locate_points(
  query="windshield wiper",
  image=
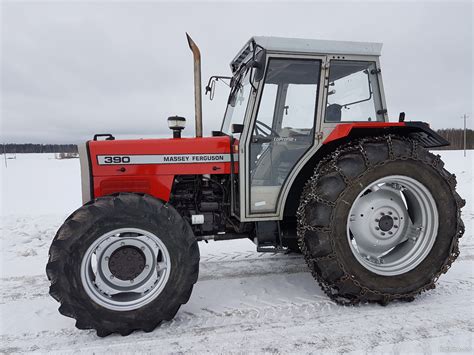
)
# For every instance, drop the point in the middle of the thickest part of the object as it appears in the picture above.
(236, 85)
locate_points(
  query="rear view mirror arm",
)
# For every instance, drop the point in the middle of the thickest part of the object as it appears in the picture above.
(211, 84)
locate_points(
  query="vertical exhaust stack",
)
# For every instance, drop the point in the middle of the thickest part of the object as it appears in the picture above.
(197, 85)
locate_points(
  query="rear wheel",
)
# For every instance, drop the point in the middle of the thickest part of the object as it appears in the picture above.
(369, 221)
(123, 263)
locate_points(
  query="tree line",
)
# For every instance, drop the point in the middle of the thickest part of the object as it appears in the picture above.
(13, 148)
(454, 136)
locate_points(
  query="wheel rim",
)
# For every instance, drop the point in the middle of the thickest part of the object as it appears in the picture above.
(392, 225)
(125, 269)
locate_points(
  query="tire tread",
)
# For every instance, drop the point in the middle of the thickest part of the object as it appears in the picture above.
(77, 224)
(350, 162)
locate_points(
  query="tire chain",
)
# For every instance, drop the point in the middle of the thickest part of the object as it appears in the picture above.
(329, 163)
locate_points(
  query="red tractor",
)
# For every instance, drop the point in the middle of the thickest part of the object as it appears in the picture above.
(305, 161)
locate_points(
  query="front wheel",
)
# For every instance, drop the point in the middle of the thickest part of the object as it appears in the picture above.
(123, 263)
(379, 221)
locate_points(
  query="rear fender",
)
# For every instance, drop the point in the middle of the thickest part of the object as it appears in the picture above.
(346, 132)
(419, 131)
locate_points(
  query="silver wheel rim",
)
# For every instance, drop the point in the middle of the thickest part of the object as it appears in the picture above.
(392, 225)
(152, 266)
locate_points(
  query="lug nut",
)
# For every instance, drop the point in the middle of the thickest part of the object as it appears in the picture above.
(390, 233)
(383, 233)
(111, 277)
(395, 226)
(377, 228)
(395, 218)
(381, 213)
(377, 220)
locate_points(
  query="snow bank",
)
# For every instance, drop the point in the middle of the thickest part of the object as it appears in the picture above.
(243, 302)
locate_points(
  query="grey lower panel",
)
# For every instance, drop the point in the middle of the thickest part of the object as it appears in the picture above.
(85, 173)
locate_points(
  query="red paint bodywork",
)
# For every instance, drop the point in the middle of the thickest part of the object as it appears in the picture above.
(343, 130)
(154, 179)
(157, 179)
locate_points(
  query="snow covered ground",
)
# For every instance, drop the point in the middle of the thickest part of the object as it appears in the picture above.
(244, 301)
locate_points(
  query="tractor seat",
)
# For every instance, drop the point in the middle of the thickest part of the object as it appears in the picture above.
(333, 113)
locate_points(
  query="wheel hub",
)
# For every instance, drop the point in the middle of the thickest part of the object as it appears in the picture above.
(392, 225)
(126, 263)
(125, 269)
(386, 223)
(377, 221)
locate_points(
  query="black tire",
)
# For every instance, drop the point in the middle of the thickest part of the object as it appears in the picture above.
(325, 204)
(292, 245)
(103, 215)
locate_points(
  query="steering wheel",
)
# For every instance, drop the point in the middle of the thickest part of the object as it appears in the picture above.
(259, 130)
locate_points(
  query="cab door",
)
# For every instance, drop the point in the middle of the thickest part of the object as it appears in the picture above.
(282, 130)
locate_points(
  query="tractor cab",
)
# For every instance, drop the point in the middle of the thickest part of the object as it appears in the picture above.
(287, 96)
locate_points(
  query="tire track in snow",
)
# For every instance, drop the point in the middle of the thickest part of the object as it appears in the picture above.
(235, 265)
(278, 317)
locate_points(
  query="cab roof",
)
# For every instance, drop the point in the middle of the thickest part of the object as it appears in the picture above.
(305, 46)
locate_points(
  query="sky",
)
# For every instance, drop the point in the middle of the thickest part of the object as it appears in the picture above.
(70, 69)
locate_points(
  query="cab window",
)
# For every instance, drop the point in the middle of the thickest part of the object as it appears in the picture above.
(353, 92)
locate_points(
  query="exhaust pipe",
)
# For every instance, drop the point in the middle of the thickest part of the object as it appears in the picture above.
(197, 85)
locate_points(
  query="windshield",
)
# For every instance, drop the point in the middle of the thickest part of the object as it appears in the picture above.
(237, 103)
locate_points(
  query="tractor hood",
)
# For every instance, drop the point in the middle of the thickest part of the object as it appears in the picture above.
(150, 165)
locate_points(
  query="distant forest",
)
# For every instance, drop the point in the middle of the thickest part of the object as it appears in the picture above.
(455, 136)
(38, 148)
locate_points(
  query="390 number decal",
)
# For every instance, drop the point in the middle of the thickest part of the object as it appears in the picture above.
(117, 160)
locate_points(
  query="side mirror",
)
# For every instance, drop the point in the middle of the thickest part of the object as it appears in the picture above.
(211, 85)
(210, 89)
(259, 65)
(237, 128)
